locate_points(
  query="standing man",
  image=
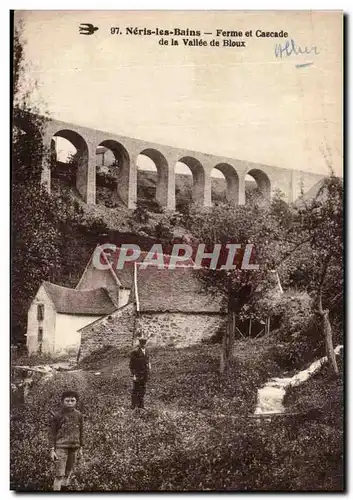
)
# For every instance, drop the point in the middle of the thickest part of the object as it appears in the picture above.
(140, 367)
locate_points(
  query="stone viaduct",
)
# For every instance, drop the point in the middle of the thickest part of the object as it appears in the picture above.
(127, 149)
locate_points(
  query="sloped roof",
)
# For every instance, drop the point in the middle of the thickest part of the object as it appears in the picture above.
(110, 270)
(126, 275)
(87, 302)
(173, 290)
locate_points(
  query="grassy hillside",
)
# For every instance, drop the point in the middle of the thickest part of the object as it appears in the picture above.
(195, 435)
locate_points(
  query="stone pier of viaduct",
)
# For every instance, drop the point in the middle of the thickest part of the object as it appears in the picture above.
(126, 150)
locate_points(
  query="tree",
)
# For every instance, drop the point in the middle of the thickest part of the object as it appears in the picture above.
(257, 223)
(302, 242)
(41, 224)
(33, 251)
(318, 231)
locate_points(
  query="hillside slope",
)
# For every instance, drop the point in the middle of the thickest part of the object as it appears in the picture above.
(195, 435)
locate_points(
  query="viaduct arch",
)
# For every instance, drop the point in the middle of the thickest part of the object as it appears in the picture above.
(126, 150)
(232, 182)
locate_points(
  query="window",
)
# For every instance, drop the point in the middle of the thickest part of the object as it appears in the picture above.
(40, 340)
(40, 312)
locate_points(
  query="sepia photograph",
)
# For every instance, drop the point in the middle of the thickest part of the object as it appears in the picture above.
(177, 256)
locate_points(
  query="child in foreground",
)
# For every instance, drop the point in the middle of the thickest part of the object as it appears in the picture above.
(66, 437)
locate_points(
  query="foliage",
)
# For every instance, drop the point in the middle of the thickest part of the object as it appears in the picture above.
(66, 171)
(165, 226)
(301, 242)
(317, 236)
(294, 239)
(140, 214)
(293, 309)
(157, 226)
(183, 198)
(322, 221)
(322, 391)
(226, 223)
(296, 352)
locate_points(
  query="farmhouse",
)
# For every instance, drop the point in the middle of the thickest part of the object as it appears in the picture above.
(113, 306)
(168, 306)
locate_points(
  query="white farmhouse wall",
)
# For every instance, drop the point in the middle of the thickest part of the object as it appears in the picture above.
(124, 295)
(67, 337)
(48, 324)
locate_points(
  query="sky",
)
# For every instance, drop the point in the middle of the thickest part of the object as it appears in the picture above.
(239, 102)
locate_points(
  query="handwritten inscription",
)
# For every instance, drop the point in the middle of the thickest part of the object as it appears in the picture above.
(290, 48)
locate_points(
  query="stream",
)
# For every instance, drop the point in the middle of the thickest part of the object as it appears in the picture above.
(270, 396)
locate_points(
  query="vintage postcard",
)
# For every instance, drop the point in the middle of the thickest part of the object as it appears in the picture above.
(177, 255)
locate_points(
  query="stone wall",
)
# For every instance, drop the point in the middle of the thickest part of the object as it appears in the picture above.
(113, 330)
(177, 329)
(121, 329)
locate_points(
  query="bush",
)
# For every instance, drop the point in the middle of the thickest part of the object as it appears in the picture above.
(140, 214)
(292, 310)
(295, 309)
(145, 206)
(296, 354)
(108, 180)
